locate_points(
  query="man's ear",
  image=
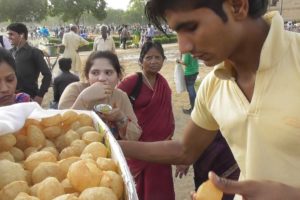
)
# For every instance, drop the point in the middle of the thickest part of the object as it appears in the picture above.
(239, 8)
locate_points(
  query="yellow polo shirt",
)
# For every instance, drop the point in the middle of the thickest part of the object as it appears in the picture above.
(264, 135)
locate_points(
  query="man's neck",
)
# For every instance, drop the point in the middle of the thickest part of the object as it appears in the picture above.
(246, 58)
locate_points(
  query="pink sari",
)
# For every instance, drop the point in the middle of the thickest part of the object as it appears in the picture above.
(155, 116)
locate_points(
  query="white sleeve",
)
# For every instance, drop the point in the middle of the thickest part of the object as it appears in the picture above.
(6, 43)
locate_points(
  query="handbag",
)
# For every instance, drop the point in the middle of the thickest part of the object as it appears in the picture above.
(179, 78)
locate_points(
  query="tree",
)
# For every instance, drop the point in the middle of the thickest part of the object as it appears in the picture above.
(74, 9)
(23, 11)
(135, 11)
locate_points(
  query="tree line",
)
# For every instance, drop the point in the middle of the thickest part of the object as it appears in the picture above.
(70, 11)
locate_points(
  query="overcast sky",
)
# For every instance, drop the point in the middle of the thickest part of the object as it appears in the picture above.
(117, 4)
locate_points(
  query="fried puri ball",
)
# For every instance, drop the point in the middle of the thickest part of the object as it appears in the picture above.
(65, 164)
(39, 157)
(85, 120)
(97, 193)
(35, 137)
(107, 164)
(10, 172)
(17, 153)
(21, 141)
(68, 188)
(84, 129)
(11, 190)
(52, 121)
(67, 197)
(30, 150)
(69, 117)
(207, 191)
(25, 196)
(35, 122)
(7, 156)
(84, 175)
(7, 142)
(52, 131)
(49, 188)
(52, 150)
(71, 151)
(80, 144)
(114, 181)
(47, 169)
(70, 136)
(97, 149)
(92, 136)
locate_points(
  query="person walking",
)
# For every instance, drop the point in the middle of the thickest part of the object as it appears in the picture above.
(72, 41)
(30, 63)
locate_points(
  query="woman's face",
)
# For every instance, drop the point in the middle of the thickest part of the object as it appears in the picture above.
(152, 61)
(103, 71)
(8, 84)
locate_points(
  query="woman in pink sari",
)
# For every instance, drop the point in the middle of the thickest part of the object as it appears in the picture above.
(153, 109)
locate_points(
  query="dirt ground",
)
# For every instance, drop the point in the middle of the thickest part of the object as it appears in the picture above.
(128, 59)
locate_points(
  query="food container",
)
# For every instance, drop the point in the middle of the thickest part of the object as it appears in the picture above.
(114, 149)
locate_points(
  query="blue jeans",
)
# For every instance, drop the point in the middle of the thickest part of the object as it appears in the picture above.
(190, 86)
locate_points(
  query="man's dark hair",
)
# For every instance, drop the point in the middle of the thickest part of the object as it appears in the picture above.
(155, 9)
(20, 28)
(6, 57)
(65, 64)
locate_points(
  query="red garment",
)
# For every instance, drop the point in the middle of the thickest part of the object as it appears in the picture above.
(155, 116)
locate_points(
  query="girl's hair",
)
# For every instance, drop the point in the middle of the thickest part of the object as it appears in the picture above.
(6, 57)
(113, 59)
(155, 9)
(149, 45)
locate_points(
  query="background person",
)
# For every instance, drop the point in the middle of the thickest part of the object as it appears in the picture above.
(153, 109)
(104, 42)
(8, 81)
(30, 63)
(103, 71)
(4, 42)
(62, 80)
(72, 41)
(256, 58)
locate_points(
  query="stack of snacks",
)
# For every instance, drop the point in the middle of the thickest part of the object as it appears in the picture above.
(59, 157)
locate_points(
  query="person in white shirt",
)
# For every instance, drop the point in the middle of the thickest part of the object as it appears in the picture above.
(4, 42)
(104, 42)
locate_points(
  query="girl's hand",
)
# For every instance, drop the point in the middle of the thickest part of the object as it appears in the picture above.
(96, 91)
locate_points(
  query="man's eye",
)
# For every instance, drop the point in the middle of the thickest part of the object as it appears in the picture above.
(190, 27)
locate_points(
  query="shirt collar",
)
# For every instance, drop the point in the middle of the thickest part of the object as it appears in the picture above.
(273, 48)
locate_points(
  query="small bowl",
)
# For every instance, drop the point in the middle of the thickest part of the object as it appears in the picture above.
(102, 108)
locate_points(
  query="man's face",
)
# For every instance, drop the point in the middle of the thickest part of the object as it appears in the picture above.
(103, 32)
(14, 37)
(204, 34)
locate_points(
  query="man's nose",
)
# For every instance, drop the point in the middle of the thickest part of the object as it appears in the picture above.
(185, 43)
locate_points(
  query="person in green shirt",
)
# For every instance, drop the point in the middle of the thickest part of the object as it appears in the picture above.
(190, 75)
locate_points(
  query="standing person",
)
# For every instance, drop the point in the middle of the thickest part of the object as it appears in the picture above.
(30, 63)
(191, 72)
(103, 71)
(257, 69)
(149, 33)
(104, 42)
(4, 42)
(8, 81)
(72, 41)
(63, 80)
(153, 109)
(125, 35)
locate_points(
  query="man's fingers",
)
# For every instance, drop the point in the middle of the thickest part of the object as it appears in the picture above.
(228, 186)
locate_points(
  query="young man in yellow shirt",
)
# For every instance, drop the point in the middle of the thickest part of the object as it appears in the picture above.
(252, 95)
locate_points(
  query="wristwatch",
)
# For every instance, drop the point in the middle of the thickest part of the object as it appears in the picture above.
(122, 122)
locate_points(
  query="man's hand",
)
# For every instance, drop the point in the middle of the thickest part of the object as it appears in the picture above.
(181, 170)
(38, 99)
(256, 190)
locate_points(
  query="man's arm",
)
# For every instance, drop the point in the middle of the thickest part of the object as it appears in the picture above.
(195, 141)
(45, 71)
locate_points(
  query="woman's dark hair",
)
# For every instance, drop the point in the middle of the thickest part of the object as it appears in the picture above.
(149, 45)
(155, 9)
(113, 59)
(65, 64)
(20, 28)
(6, 57)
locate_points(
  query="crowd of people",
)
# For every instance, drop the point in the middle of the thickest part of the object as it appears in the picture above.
(240, 134)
